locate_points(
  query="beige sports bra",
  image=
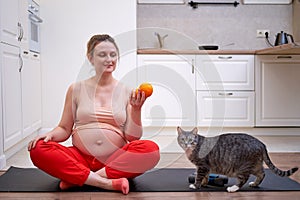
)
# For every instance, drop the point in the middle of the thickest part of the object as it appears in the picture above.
(89, 115)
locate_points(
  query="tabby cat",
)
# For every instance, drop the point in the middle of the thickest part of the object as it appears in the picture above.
(233, 154)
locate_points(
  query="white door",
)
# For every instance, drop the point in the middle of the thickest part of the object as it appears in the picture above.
(11, 95)
(10, 30)
(24, 24)
(31, 93)
(277, 90)
(173, 100)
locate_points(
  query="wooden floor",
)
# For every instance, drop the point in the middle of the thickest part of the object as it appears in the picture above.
(281, 160)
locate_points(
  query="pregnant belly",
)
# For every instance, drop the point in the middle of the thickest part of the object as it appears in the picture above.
(100, 143)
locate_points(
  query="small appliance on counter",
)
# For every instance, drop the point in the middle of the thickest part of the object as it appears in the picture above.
(282, 38)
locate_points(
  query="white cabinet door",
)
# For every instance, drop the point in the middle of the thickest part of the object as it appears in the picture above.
(24, 24)
(225, 90)
(225, 72)
(14, 22)
(228, 108)
(173, 100)
(9, 21)
(11, 95)
(277, 90)
(267, 1)
(31, 93)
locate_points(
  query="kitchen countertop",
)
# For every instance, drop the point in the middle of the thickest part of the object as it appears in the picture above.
(286, 49)
(278, 50)
(170, 51)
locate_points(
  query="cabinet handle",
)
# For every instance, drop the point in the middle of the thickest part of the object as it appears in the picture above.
(284, 57)
(22, 32)
(19, 30)
(193, 66)
(225, 57)
(225, 93)
(21, 63)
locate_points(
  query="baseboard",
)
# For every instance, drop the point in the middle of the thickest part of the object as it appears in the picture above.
(2, 161)
(20, 145)
(276, 139)
(274, 144)
(213, 131)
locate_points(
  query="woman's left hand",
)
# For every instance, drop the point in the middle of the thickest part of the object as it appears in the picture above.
(137, 99)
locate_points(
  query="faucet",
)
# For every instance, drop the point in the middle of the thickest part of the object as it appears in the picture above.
(160, 39)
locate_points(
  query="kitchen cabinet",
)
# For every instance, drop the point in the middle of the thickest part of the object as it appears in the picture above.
(21, 94)
(161, 1)
(225, 90)
(31, 93)
(20, 76)
(11, 95)
(14, 22)
(277, 90)
(267, 1)
(296, 21)
(225, 72)
(173, 100)
(230, 109)
(2, 156)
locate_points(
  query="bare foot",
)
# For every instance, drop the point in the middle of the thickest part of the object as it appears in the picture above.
(121, 184)
(65, 185)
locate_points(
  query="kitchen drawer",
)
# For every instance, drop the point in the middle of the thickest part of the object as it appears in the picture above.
(225, 72)
(227, 109)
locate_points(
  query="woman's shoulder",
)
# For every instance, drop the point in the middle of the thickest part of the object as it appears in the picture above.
(79, 84)
(75, 87)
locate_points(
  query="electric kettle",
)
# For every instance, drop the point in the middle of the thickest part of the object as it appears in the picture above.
(282, 38)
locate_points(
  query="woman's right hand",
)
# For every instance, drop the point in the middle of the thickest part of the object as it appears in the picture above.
(46, 137)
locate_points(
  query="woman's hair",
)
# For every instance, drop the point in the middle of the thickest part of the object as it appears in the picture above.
(96, 39)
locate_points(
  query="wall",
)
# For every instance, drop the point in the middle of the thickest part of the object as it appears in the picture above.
(296, 20)
(2, 156)
(208, 24)
(67, 27)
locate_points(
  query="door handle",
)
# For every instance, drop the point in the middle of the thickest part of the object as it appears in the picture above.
(21, 63)
(225, 93)
(225, 57)
(193, 66)
(284, 57)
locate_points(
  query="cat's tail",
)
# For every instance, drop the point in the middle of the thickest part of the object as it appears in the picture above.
(277, 171)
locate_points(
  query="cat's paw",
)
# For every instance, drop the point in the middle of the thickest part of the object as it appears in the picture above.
(192, 186)
(252, 184)
(233, 188)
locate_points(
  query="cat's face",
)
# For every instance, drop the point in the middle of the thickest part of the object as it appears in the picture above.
(187, 139)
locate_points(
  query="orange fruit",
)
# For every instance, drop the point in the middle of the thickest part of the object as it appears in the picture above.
(146, 88)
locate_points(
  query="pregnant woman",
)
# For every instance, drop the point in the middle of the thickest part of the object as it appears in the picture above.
(103, 117)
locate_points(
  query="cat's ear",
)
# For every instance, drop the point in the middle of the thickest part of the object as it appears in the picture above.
(195, 131)
(179, 130)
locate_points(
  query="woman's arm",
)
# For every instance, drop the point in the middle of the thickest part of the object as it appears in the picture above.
(133, 126)
(64, 129)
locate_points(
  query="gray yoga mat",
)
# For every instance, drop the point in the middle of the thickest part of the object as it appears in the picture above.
(156, 180)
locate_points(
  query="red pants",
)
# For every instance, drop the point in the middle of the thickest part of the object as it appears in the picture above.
(72, 166)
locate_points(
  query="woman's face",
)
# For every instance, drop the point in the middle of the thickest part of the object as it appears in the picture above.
(104, 57)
